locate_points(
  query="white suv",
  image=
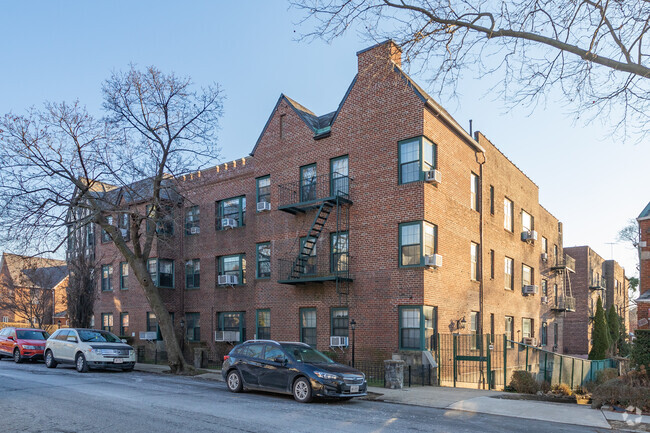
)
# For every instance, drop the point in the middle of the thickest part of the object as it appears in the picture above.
(88, 348)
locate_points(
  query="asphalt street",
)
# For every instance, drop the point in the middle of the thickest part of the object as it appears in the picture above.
(36, 399)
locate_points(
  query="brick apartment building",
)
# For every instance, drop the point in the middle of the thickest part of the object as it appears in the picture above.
(643, 301)
(385, 212)
(594, 278)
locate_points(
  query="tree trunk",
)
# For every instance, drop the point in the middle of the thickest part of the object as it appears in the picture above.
(175, 357)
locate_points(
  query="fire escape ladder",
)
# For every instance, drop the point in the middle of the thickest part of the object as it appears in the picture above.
(299, 265)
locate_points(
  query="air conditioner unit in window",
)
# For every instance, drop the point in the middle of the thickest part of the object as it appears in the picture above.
(228, 223)
(125, 232)
(227, 280)
(148, 336)
(434, 260)
(432, 176)
(530, 341)
(195, 230)
(336, 341)
(529, 289)
(545, 256)
(544, 299)
(226, 336)
(529, 235)
(263, 205)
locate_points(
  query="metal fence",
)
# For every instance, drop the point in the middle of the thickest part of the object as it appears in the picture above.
(414, 375)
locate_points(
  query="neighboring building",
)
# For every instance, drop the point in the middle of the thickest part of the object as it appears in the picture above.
(643, 301)
(594, 278)
(31, 288)
(385, 211)
(633, 319)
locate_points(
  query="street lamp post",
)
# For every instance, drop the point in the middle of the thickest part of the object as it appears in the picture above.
(353, 325)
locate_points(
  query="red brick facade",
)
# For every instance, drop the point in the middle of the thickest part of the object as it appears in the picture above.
(643, 301)
(382, 108)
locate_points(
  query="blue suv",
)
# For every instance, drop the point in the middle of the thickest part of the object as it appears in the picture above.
(290, 368)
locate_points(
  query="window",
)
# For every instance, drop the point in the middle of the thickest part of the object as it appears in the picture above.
(474, 196)
(340, 322)
(263, 189)
(527, 327)
(308, 183)
(161, 272)
(192, 220)
(107, 275)
(544, 245)
(264, 260)
(508, 215)
(124, 225)
(163, 219)
(418, 326)
(231, 209)
(105, 236)
(555, 293)
(556, 254)
(526, 221)
(5, 319)
(310, 267)
(124, 324)
(107, 322)
(308, 326)
(416, 156)
(491, 328)
(273, 352)
(339, 252)
(544, 288)
(124, 275)
(233, 265)
(193, 274)
(193, 331)
(491, 200)
(544, 336)
(526, 275)
(233, 321)
(510, 331)
(152, 324)
(411, 238)
(492, 264)
(509, 273)
(474, 261)
(263, 326)
(473, 329)
(340, 181)
(556, 335)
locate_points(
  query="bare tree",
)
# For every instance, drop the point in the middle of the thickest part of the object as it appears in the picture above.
(594, 51)
(61, 169)
(81, 292)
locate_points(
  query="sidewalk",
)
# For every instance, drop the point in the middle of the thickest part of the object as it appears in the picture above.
(478, 401)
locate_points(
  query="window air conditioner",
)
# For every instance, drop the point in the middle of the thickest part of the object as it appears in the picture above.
(545, 256)
(544, 299)
(434, 260)
(227, 280)
(262, 206)
(336, 341)
(530, 289)
(228, 223)
(226, 336)
(148, 336)
(195, 230)
(432, 176)
(530, 341)
(529, 235)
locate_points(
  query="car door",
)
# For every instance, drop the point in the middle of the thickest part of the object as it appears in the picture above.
(70, 345)
(251, 363)
(4, 341)
(274, 373)
(60, 346)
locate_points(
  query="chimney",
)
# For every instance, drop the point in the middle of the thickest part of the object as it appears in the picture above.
(384, 52)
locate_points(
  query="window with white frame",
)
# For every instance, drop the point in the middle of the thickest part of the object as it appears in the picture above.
(508, 215)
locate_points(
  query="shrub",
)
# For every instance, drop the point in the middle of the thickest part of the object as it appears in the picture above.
(591, 385)
(618, 392)
(523, 382)
(640, 353)
(545, 386)
(606, 374)
(562, 388)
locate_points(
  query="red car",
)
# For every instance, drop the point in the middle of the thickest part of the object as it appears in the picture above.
(22, 343)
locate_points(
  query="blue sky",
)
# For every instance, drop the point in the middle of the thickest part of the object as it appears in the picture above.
(64, 50)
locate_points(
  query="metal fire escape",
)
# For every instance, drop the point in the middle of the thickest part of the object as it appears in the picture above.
(328, 195)
(563, 300)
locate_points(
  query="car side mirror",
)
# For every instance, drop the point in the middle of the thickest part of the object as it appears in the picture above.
(11, 338)
(123, 340)
(280, 360)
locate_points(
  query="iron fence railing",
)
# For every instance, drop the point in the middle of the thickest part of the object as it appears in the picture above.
(314, 189)
(565, 261)
(319, 266)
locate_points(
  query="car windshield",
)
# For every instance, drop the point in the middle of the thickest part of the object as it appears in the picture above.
(99, 336)
(306, 354)
(32, 335)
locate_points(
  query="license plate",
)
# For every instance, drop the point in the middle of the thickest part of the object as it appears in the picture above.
(121, 361)
(354, 389)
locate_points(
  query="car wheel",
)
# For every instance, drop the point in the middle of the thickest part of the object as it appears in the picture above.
(81, 364)
(302, 390)
(234, 381)
(49, 360)
(17, 358)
